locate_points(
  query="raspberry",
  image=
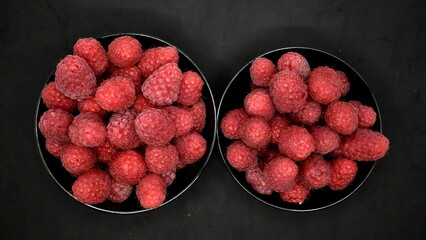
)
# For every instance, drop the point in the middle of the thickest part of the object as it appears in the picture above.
(77, 160)
(181, 118)
(191, 147)
(288, 91)
(155, 127)
(169, 177)
(309, 114)
(162, 159)
(315, 172)
(342, 117)
(190, 90)
(258, 103)
(255, 132)
(124, 51)
(121, 130)
(91, 105)
(106, 151)
(198, 111)
(326, 140)
(232, 122)
(294, 62)
(343, 172)
(366, 115)
(54, 148)
(153, 58)
(92, 187)
(92, 51)
(324, 85)
(151, 191)
(116, 94)
(280, 174)
(133, 73)
(142, 103)
(344, 83)
(261, 72)
(127, 167)
(162, 86)
(296, 143)
(53, 98)
(257, 180)
(296, 194)
(365, 145)
(54, 124)
(87, 130)
(277, 124)
(74, 78)
(241, 157)
(119, 192)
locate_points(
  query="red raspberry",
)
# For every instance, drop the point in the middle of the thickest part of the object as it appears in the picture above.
(324, 85)
(326, 140)
(142, 103)
(296, 194)
(153, 58)
(155, 127)
(124, 51)
(77, 160)
(116, 94)
(133, 73)
(191, 147)
(309, 114)
(344, 82)
(182, 119)
(162, 159)
(87, 130)
(294, 62)
(315, 172)
(198, 111)
(258, 103)
(106, 151)
(241, 157)
(74, 78)
(54, 148)
(255, 132)
(119, 192)
(366, 115)
(256, 179)
(190, 90)
(261, 72)
(343, 172)
(280, 174)
(162, 86)
(288, 91)
(92, 187)
(277, 124)
(91, 105)
(121, 130)
(365, 145)
(54, 124)
(92, 51)
(53, 98)
(342, 117)
(151, 191)
(232, 122)
(127, 167)
(169, 177)
(296, 143)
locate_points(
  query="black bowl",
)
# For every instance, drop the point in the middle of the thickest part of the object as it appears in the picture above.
(233, 98)
(184, 177)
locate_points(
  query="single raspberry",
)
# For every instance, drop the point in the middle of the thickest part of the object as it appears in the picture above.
(365, 145)
(53, 98)
(190, 90)
(74, 78)
(92, 51)
(142, 103)
(256, 179)
(281, 174)
(91, 105)
(119, 191)
(342, 117)
(326, 140)
(277, 124)
(297, 194)
(92, 187)
(324, 85)
(87, 130)
(182, 119)
(151, 191)
(309, 114)
(116, 94)
(155, 127)
(288, 91)
(77, 160)
(153, 58)
(162, 86)
(343, 172)
(344, 83)
(232, 122)
(294, 62)
(121, 130)
(296, 143)
(267, 153)
(128, 167)
(255, 132)
(124, 51)
(315, 172)
(198, 111)
(133, 73)
(162, 159)
(54, 148)
(258, 103)
(366, 115)
(261, 72)
(169, 177)
(241, 157)
(106, 151)
(54, 124)
(191, 147)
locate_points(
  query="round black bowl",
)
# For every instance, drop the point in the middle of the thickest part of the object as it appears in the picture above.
(233, 98)
(184, 177)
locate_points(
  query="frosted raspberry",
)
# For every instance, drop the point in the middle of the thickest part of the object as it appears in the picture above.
(77, 160)
(153, 58)
(277, 124)
(190, 90)
(309, 114)
(92, 51)
(151, 191)
(106, 151)
(54, 125)
(155, 127)
(169, 177)
(232, 122)
(255, 132)
(297, 194)
(315, 172)
(241, 157)
(182, 119)
(257, 180)
(142, 103)
(324, 85)
(121, 130)
(342, 117)
(198, 111)
(161, 159)
(258, 103)
(91, 105)
(296, 143)
(261, 72)
(87, 130)
(366, 115)
(116, 94)
(124, 51)
(343, 172)
(344, 82)
(281, 174)
(294, 62)
(326, 140)
(128, 167)
(191, 147)
(54, 148)
(92, 187)
(133, 73)
(53, 98)
(119, 192)
(365, 145)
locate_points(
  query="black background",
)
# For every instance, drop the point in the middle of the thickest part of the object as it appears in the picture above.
(383, 40)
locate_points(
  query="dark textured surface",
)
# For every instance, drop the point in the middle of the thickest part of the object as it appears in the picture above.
(382, 40)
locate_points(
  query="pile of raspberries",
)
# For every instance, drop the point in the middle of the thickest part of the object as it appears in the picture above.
(123, 119)
(295, 135)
